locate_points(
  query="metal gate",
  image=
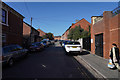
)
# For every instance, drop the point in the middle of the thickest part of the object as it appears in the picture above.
(87, 43)
(99, 45)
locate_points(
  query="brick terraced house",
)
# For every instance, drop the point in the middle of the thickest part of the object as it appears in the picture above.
(57, 37)
(30, 34)
(83, 23)
(12, 26)
(42, 33)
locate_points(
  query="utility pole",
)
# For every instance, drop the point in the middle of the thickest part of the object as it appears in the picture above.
(31, 21)
(31, 32)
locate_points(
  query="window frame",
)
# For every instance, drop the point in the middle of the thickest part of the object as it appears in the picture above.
(1, 22)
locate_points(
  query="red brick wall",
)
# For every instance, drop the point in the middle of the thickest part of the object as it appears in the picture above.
(41, 32)
(26, 29)
(57, 38)
(83, 23)
(14, 30)
(110, 29)
(96, 29)
(119, 31)
(115, 31)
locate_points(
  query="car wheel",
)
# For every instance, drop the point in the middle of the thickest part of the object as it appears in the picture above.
(67, 53)
(11, 62)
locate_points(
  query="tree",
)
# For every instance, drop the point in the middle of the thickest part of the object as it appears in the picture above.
(44, 36)
(78, 32)
(49, 36)
(70, 35)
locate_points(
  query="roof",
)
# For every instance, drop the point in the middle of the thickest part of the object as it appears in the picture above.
(74, 24)
(40, 30)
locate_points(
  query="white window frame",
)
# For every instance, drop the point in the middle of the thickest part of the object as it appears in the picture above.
(6, 18)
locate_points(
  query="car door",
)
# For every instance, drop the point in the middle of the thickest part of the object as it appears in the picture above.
(14, 51)
(20, 50)
(6, 53)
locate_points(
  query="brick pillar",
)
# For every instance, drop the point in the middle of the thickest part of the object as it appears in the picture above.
(119, 31)
(106, 36)
(92, 36)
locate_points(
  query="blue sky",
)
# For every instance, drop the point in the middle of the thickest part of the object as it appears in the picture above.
(56, 17)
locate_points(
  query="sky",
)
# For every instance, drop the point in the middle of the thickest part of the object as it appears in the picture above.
(57, 17)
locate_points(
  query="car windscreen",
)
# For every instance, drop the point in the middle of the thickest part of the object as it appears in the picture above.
(74, 43)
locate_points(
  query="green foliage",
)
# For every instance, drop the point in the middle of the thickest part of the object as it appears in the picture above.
(78, 32)
(48, 36)
(44, 36)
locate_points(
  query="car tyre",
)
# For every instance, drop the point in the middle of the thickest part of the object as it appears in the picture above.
(11, 62)
(67, 53)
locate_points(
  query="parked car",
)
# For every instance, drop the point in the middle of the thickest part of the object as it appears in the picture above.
(52, 42)
(49, 42)
(12, 52)
(61, 42)
(64, 43)
(45, 43)
(37, 46)
(56, 40)
(73, 47)
(40, 45)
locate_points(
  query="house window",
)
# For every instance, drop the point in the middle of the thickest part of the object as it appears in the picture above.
(3, 38)
(4, 16)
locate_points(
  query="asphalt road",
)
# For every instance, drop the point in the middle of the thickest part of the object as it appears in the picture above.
(49, 63)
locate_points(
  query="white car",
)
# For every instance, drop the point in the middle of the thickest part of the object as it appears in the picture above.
(73, 47)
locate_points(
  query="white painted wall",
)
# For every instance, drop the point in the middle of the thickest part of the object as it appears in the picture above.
(80, 41)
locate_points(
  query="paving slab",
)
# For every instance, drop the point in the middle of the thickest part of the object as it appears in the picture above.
(100, 65)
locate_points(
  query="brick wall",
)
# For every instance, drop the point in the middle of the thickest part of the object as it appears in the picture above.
(83, 23)
(26, 30)
(110, 29)
(14, 30)
(57, 38)
(41, 32)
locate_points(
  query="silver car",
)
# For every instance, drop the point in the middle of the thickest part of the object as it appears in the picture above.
(12, 52)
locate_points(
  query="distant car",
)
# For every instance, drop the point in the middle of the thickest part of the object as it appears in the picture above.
(45, 43)
(12, 52)
(40, 46)
(37, 46)
(61, 42)
(32, 47)
(73, 47)
(56, 40)
(52, 41)
(49, 42)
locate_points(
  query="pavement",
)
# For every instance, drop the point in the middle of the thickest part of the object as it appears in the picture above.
(98, 64)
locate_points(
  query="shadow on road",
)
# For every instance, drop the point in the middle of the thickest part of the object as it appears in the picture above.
(74, 53)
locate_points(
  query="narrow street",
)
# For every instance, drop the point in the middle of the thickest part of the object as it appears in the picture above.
(49, 63)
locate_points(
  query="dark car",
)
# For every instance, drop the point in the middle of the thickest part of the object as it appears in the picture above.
(37, 46)
(45, 43)
(40, 45)
(12, 52)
